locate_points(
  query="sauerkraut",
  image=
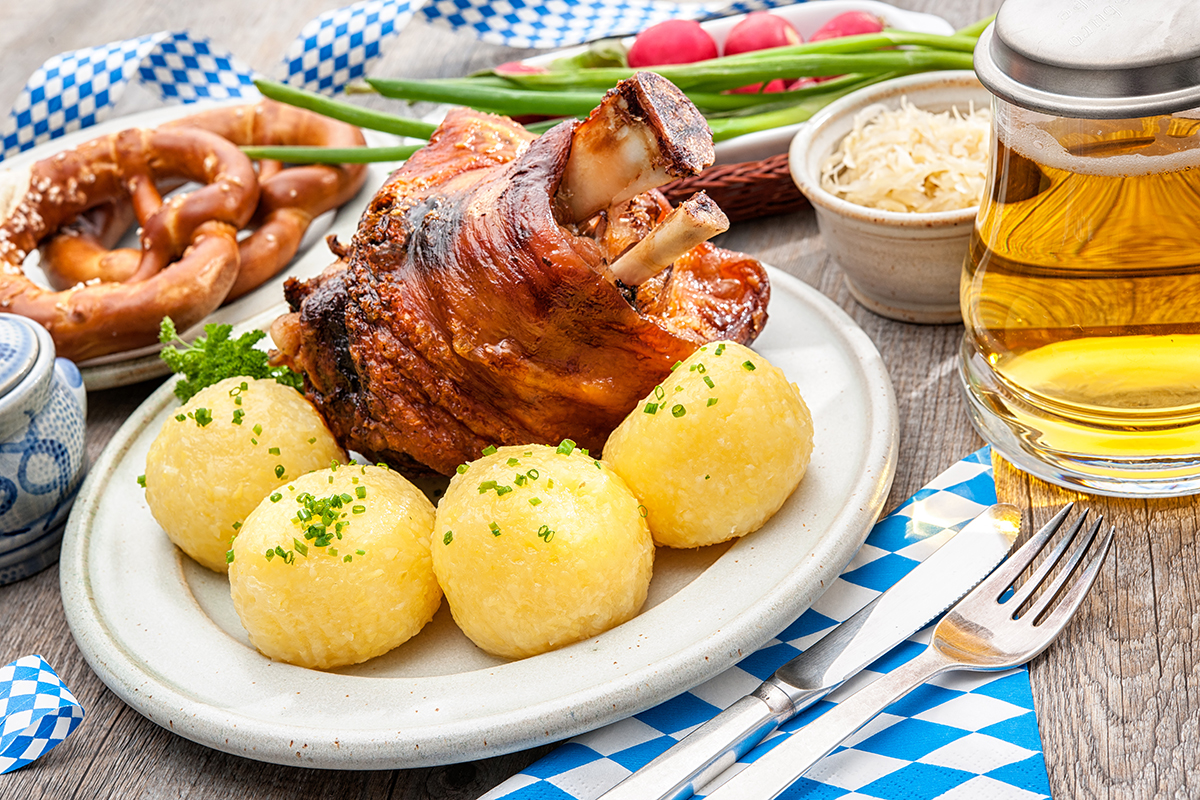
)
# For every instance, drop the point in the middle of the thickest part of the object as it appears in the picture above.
(911, 160)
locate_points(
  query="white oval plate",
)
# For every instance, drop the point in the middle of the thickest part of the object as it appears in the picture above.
(162, 633)
(807, 19)
(254, 309)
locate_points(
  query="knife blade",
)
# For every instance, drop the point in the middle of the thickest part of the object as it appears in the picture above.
(923, 594)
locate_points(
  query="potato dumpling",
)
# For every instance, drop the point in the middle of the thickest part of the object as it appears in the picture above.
(537, 547)
(334, 569)
(716, 448)
(223, 452)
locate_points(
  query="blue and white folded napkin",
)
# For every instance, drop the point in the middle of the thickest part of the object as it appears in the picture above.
(964, 736)
(74, 90)
(37, 711)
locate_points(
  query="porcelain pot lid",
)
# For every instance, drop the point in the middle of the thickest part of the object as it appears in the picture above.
(1115, 59)
(18, 351)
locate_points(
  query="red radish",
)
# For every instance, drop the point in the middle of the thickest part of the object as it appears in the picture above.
(676, 41)
(850, 23)
(760, 31)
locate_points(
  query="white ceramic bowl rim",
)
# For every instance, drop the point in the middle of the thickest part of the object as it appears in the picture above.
(810, 186)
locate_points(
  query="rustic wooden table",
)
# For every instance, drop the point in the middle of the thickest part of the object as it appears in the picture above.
(1118, 697)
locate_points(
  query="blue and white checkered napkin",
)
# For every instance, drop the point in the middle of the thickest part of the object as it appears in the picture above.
(37, 711)
(964, 736)
(77, 89)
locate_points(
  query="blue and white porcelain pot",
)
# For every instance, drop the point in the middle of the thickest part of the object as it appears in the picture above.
(43, 459)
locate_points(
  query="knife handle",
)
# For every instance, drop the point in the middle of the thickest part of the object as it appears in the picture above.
(715, 746)
(783, 765)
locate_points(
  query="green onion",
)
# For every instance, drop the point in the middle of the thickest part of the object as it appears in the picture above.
(651, 408)
(535, 501)
(359, 492)
(494, 528)
(448, 538)
(273, 451)
(566, 447)
(229, 556)
(708, 382)
(461, 469)
(279, 470)
(748, 366)
(712, 401)
(489, 450)
(142, 481)
(678, 410)
(346, 112)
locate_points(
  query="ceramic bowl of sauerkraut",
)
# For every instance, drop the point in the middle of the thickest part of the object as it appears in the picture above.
(896, 172)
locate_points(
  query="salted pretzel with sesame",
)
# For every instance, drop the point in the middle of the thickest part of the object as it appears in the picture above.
(290, 199)
(188, 259)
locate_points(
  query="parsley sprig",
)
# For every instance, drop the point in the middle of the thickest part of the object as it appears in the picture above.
(215, 356)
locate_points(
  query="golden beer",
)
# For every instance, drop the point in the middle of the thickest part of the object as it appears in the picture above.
(1081, 297)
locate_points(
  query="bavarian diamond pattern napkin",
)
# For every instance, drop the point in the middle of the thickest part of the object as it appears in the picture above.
(964, 736)
(37, 711)
(75, 90)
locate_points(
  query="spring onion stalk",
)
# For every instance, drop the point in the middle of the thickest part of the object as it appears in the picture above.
(346, 112)
(468, 92)
(729, 127)
(720, 74)
(331, 155)
(975, 29)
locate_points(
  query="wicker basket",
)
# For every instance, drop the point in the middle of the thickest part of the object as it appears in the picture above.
(744, 191)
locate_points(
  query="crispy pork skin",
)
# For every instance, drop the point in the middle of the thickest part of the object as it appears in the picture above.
(473, 308)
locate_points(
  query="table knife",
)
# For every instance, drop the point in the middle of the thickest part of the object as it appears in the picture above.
(923, 594)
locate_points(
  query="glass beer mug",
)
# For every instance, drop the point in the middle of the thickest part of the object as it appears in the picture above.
(1081, 291)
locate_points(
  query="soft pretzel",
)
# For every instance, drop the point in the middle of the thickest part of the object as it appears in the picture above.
(290, 198)
(189, 249)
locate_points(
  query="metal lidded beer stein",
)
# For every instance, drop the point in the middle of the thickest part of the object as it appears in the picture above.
(1081, 291)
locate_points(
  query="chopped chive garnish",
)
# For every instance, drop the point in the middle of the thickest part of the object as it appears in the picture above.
(360, 492)
(520, 480)
(180, 417)
(203, 417)
(701, 368)
(360, 552)
(709, 382)
(706, 477)
(659, 392)
(276, 497)
(545, 534)
(229, 556)
(597, 463)
(643, 511)
(253, 440)
(534, 501)
(257, 430)
(679, 388)
(533, 474)
(142, 481)
(650, 408)
(512, 462)
(237, 526)
(273, 451)
(461, 469)
(300, 546)
(448, 538)
(720, 348)
(748, 366)
(494, 528)
(269, 554)
(358, 509)
(237, 401)
(313, 440)
(678, 410)
(566, 447)
(332, 551)
(279, 470)
(489, 450)
(712, 401)
(483, 487)
(347, 558)
(676, 365)
(502, 490)
(237, 415)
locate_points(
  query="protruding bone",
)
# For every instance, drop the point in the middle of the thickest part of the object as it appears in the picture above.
(645, 133)
(696, 220)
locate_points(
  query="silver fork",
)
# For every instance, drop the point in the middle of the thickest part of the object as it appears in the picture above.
(987, 630)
